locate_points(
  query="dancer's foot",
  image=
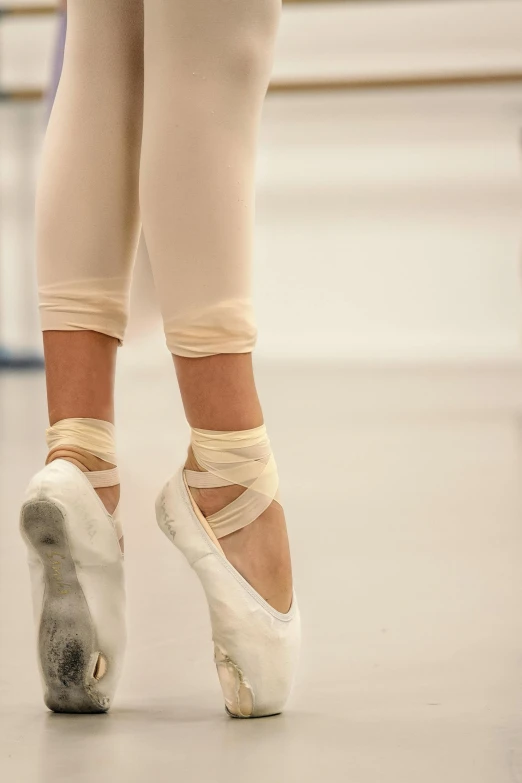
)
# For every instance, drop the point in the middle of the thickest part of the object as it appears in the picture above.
(76, 568)
(260, 551)
(256, 646)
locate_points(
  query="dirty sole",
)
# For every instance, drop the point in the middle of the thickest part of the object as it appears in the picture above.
(66, 636)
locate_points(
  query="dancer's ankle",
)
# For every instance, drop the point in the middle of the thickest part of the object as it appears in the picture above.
(210, 500)
(86, 462)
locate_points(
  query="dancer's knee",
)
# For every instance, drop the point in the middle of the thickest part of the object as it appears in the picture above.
(247, 47)
(214, 42)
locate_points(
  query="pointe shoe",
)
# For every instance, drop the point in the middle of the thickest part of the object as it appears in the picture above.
(76, 568)
(256, 648)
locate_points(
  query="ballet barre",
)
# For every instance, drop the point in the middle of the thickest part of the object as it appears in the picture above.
(27, 10)
(47, 9)
(347, 84)
(416, 81)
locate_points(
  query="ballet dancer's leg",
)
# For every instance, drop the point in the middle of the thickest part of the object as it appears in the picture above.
(207, 67)
(87, 230)
(87, 211)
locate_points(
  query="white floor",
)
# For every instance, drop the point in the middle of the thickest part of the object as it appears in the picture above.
(403, 495)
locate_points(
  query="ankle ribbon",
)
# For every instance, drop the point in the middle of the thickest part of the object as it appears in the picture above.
(243, 457)
(95, 436)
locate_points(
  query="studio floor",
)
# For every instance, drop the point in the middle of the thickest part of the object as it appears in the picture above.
(402, 491)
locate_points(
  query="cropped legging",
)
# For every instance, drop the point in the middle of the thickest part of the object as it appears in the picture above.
(155, 123)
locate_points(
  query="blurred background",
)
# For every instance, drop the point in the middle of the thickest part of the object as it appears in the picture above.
(389, 303)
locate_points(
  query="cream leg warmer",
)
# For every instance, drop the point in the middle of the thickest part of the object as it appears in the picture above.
(87, 213)
(207, 67)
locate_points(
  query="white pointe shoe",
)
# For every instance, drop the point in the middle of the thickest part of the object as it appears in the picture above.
(76, 567)
(256, 647)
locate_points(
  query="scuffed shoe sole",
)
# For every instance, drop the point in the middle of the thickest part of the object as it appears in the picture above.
(67, 644)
